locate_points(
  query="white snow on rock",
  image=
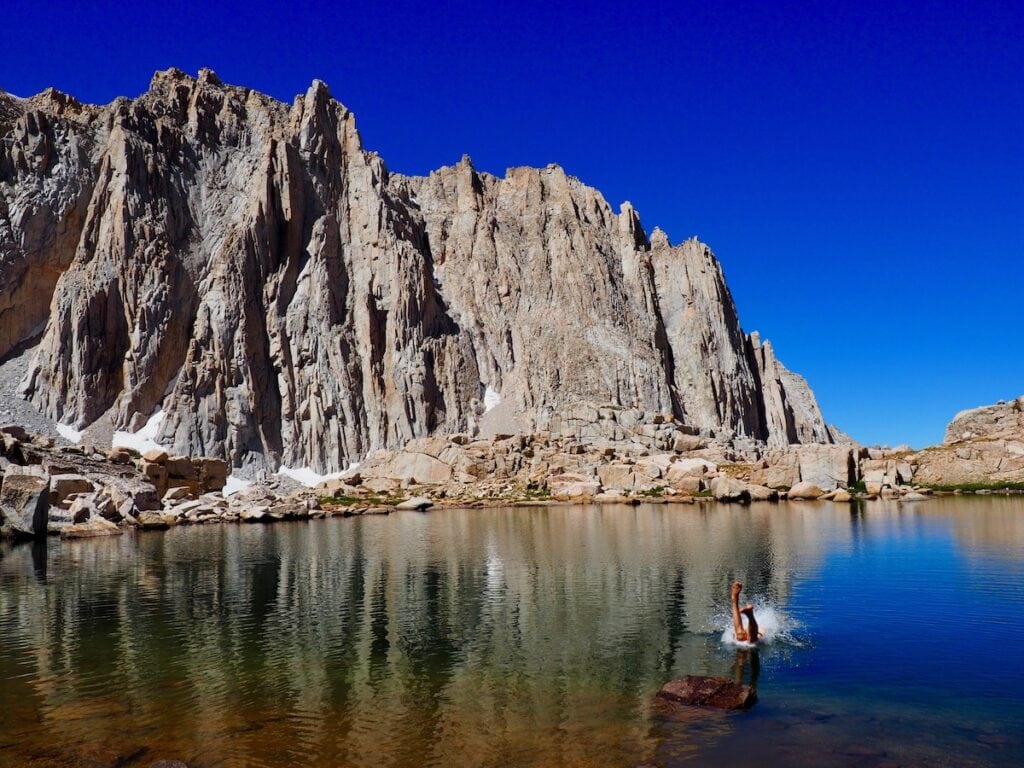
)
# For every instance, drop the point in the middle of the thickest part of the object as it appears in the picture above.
(235, 484)
(491, 398)
(143, 440)
(307, 476)
(69, 433)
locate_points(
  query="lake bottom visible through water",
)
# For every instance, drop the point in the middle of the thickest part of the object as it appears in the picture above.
(523, 637)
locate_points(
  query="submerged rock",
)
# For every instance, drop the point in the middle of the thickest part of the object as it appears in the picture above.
(708, 692)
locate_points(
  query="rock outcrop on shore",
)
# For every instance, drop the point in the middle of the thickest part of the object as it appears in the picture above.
(247, 269)
(983, 446)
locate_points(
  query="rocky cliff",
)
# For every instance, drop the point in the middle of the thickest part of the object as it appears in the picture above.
(248, 270)
(983, 446)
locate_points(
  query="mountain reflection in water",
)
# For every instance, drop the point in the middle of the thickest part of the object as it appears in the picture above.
(460, 637)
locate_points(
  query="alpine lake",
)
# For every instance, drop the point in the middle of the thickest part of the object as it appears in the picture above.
(523, 636)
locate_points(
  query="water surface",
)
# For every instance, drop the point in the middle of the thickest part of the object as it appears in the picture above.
(522, 637)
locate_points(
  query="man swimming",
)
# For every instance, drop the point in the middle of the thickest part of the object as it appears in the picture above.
(751, 634)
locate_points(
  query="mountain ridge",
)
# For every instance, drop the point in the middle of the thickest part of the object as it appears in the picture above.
(248, 269)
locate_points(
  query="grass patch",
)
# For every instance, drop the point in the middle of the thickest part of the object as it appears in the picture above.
(858, 487)
(652, 493)
(703, 494)
(535, 494)
(338, 501)
(360, 501)
(972, 487)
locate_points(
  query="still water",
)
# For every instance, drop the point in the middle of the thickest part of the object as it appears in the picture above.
(522, 637)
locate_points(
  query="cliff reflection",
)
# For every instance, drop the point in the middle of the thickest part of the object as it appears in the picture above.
(532, 633)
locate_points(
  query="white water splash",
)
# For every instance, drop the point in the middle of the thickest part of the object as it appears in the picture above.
(772, 622)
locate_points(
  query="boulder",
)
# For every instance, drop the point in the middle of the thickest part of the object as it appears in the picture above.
(87, 529)
(914, 496)
(179, 468)
(785, 474)
(177, 494)
(761, 493)
(24, 505)
(708, 692)
(842, 495)
(212, 473)
(155, 474)
(419, 468)
(416, 503)
(380, 484)
(63, 485)
(653, 467)
(617, 477)
(573, 486)
(683, 443)
(805, 490)
(118, 455)
(154, 455)
(725, 488)
(257, 514)
(86, 506)
(688, 468)
(152, 521)
(827, 466)
(688, 485)
(16, 432)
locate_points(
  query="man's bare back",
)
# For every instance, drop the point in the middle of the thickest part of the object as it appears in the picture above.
(752, 630)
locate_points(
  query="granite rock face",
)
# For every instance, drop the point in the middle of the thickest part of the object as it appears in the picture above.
(982, 445)
(248, 270)
(1004, 420)
(24, 505)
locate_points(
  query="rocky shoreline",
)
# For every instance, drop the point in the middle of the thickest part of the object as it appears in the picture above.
(78, 491)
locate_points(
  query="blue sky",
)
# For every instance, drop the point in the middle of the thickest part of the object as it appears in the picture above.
(858, 168)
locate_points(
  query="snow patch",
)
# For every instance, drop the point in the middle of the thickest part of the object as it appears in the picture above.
(234, 485)
(491, 398)
(69, 433)
(307, 476)
(143, 440)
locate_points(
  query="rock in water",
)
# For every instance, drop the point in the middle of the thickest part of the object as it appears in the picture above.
(709, 692)
(415, 503)
(805, 490)
(24, 505)
(246, 272)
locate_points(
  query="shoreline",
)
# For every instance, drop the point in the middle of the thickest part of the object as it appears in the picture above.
(80, 491)
(346, 512)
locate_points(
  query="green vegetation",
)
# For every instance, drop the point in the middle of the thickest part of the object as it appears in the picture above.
(703, 494)
(972, 487)
(338, 501)
(535, 494)
(858, 487)
(653, 493)
(360, 501)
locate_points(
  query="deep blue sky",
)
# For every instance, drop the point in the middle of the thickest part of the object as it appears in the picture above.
(858, 168)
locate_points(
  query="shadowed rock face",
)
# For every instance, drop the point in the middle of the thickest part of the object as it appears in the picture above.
(251, 270)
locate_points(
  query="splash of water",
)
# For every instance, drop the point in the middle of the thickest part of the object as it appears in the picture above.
(774, 623)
